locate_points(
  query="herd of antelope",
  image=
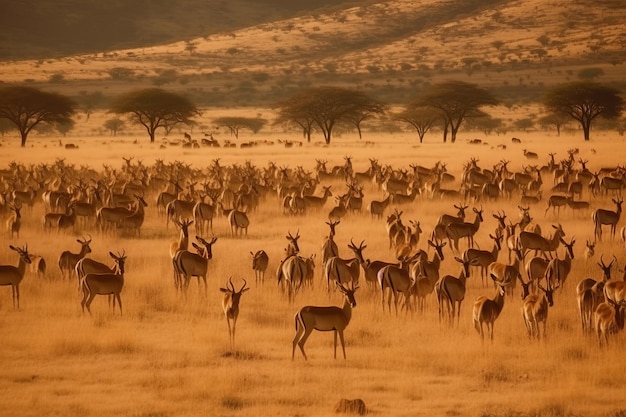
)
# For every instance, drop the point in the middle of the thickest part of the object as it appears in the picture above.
(116, 202)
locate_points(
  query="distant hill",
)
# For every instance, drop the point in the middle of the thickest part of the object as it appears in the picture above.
(52, 28)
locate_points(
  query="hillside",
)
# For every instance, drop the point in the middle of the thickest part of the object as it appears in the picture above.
(389, 48)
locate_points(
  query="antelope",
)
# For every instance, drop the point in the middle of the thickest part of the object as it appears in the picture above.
(68, 260)
(14, 222)
(90, 266)
(536, 269)
(292, 246)
(411, 238)
(340, 210)
(532, 241)
(530, 155)
(260, 261)
(506, 276)
(178, 209)
(370, 268)
(486, 311)
(578, 206)
(38, 265)
(230, 305)
(590, 249)
(612, 184)
(456, 231)
(558, 269)
(67, 221)
(429, 269)
(607, 217)
(104, 284)
(323, 319)
(393, 225)
(203, 214)
(183, 240)
(134, 221)
(13, 275)
(590, 293)
(329, 247)
(188, 264)
(483, 258)
(377, 208)
(450, 290)
(314, 202)
(239, 223)
(535, 311)
(398, 280)
(341, 271)
(608, 319)
(293, 270)
(556, 201)
(615, 292)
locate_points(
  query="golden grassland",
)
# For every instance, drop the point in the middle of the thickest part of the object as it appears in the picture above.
(170, 356)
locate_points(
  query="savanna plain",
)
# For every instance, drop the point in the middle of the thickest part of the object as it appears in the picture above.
(169, 355)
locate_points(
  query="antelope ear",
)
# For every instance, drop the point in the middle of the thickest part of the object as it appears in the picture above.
(112, 255)
(224, 290)
(244, 290)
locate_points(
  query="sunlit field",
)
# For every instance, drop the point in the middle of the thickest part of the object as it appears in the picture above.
(169, 354)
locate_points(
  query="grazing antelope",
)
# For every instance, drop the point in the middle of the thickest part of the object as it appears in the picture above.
(68, 260)
(450, 291)
(324, 319)
(608, 319)
(530, 155)
(456, 231)
(532, 241)
(230, 305)
(260, 261)
(329, 247)
(13, 275)
(14, 222)
(558, 269)
(190, 265)
(535, 311)
(239, 223)
(607, 217)
(486, 311)
(105, 284)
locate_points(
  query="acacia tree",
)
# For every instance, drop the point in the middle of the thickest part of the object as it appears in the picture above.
(28, 107)
(421, 118)
(584, 101)
(456, 100)
(325, 107)
(154, 108)
(114, 125)
(235, 124)
(556, 120)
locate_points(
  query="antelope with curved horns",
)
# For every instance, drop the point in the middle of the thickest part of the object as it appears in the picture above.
(188, 264)
(260, 260)
(183, 240)
(292, 246)
(482, 258)
(324, 319)
(315, 202)
(397, 280)
(590, 293)
(68, 260)
(456, 231)
(13, 275)
(446, 219)
(230, 305)
(370, 268)
(486, 311)
(558, 269)
(105, 284)
(341, 271)
(590, 249)
(329, 247)
(505, 275)
(607, 217)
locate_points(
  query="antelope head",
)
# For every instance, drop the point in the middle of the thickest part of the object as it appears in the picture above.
(606, 269)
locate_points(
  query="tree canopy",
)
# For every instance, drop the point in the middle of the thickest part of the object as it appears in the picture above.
(421, 118)
(27, 107)
(456, 100)
(324, 107)
(154, 108)
(235, 124)
(584, 101)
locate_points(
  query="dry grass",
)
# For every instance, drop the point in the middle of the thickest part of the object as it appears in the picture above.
(167, 356)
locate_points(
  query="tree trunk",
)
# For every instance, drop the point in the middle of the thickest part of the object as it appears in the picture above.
(24, 135)
(151, 133)
(586, 129)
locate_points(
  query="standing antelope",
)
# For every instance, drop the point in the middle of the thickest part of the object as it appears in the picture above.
(456, 231)
(535, 311)
(260, 261)
(558, 269)
(68, 260)
(13, 275)
(590, 249)
(183, 240)
(188, 264)
(377, 207)
(450, 291)
(329, 247)
(324, 319)
(532, 241)
(370, 268)
(608, 319)
(483, 258)
(292, 246)
(607, 217)
(14, 222)
(239, 223)
(397, 280)
(230, 305)
(105, 284)
(486, 311)
(504, 275)
(293, 270)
